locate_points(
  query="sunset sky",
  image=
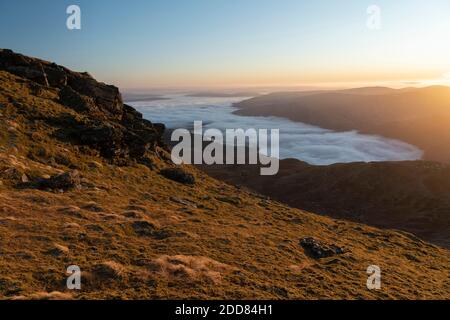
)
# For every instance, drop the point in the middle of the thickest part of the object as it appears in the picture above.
(208, 43)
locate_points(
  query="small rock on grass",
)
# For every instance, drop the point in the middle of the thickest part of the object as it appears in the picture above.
(178, 175)
(64, 181)
(318, 250)
(144, 227)
(93, 207)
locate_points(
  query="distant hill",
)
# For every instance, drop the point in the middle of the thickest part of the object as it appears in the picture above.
(418, 116)
(213, 94)
(141, 97)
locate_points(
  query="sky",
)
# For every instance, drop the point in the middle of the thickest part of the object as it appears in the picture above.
(143, 44)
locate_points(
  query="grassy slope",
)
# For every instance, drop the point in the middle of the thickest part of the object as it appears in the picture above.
(412, 196)
(222, 242)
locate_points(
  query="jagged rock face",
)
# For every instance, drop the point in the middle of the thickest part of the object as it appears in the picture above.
(115, 129)
(106, 97)
(76, 101)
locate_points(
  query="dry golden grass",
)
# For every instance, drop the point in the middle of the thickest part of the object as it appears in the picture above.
(190, 268)
(55, 295)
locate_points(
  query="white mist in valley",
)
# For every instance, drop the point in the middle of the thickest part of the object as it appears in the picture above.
(308, 143)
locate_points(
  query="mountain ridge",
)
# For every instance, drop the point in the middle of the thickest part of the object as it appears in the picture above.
(416, 116)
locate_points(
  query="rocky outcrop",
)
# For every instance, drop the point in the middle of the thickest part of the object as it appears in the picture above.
(76, 101)
(48, 74)
(116, 130)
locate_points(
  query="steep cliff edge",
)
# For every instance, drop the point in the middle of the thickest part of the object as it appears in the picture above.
(85, 181)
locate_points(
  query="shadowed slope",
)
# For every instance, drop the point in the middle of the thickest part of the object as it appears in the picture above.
(411, 196)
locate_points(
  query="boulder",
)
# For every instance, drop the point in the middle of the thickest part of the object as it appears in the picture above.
(64, 181)
(103, 136)
(318, 250)
(144, 228)
(178, 175)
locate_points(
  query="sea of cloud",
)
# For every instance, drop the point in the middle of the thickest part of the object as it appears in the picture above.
(308, 143)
